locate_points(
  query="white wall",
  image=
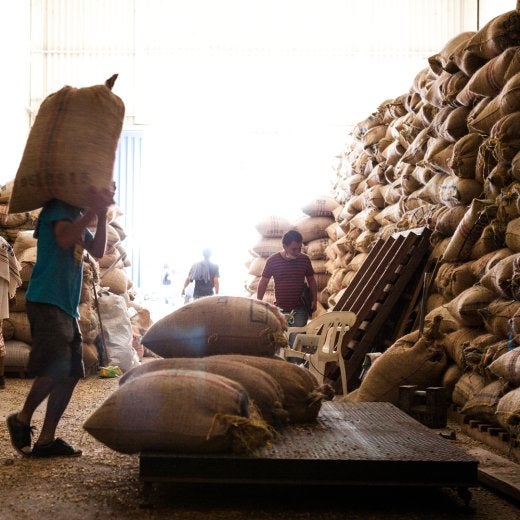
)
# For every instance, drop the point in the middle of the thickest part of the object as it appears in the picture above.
(14, 85)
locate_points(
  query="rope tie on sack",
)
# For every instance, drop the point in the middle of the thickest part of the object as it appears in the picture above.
(246, 434)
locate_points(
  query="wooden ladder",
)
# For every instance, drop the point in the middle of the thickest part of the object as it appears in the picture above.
(376, 290)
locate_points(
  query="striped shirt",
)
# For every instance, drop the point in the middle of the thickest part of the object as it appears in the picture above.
(289, 279)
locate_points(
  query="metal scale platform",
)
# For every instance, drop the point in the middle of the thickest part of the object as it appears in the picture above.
(368, 444)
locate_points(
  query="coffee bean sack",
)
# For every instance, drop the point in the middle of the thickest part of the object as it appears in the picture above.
(263, 390)
(218, 325)
(302, 394)
(70, 149)
(180, 411)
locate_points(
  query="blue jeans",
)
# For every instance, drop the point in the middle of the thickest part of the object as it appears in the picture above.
(300, 319)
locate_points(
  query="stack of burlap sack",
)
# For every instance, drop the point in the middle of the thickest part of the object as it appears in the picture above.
(446, 155)
(69, 152)
(318, 228)
(219, 385)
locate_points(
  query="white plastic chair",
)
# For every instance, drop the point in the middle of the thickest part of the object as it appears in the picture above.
(319, 343)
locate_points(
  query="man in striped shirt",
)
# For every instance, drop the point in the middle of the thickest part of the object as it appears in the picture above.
(290, 268)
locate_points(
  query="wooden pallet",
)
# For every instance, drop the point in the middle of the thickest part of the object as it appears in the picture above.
(375, 291)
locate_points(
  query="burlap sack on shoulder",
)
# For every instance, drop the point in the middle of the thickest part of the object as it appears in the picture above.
(70, 149)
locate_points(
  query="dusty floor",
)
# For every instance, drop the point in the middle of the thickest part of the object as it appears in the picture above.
(105, 484)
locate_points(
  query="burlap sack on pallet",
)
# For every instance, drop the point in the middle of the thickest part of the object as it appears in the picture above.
(507, 366)
(302, 394)
(483, 404)
(178, 411)
(467, 386)
(218, 325)
(263, 390)
(70, 149)
(508, 410)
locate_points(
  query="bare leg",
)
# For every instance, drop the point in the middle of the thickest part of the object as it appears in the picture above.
(40, 390)
(58, 401)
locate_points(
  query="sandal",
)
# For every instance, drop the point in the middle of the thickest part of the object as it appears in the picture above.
(56, 448)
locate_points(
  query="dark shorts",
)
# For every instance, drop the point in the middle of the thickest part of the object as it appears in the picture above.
(56, 349)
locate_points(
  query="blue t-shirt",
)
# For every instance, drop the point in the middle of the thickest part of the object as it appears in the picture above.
(57, 275)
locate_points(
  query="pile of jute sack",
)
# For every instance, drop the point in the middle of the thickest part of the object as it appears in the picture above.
(446, 155)
(218, 385)
(317, 226)
(71, 149)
